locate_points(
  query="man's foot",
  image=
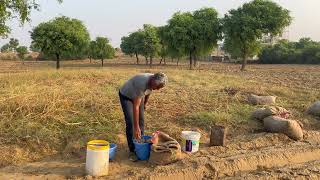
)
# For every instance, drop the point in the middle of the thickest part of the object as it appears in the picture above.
(133, 157)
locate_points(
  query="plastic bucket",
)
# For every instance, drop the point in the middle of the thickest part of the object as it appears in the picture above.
(142, 149)
(97, 158)
(190, 141)
(112, 151)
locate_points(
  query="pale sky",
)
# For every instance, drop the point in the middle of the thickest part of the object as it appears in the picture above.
(117, 18)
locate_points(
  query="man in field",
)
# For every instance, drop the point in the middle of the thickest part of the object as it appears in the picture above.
(134, 95)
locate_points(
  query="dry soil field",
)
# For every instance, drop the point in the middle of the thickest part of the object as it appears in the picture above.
(47, 116)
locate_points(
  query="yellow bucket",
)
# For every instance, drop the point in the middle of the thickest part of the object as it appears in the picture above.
(97, 159)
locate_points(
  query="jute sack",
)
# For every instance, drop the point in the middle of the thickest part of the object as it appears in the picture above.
(314, 109)
(262, 113)
(167, 150)
(291, 128)
(261, 100)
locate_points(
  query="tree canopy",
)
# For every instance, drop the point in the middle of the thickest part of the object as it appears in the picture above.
(11, 45)
(101, 49)
(151, 42)
(245, 26)
(5, 48)
(133, 44)
(22, 51)
(193, 34)
(60, 37)
(20, 9)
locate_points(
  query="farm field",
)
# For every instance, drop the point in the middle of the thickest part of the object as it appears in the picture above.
(48, 115)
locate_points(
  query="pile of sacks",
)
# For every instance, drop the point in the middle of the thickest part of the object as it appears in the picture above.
(314, 109)
(261, 100)
(275, 118)
(164, 150)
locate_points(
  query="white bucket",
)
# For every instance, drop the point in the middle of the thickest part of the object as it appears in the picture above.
(190, 141)
(97, 159)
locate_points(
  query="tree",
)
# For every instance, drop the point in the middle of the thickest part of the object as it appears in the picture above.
(168, 47)
(20, 9)
(245, 26)
(103, 50)
(34, 49)
(195, 33)
(164, 52)
(5, 48)
(151, 42)
(305, 43)
(127, 46)
(13, 43)
(133, 44)
(22, 51)
(60, 37)
(91, 50)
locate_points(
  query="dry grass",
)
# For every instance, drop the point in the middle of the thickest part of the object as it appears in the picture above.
(42, 111)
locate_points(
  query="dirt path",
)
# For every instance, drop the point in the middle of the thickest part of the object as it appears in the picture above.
(265, 156)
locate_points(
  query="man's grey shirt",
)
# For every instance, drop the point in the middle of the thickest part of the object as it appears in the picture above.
(137, 86)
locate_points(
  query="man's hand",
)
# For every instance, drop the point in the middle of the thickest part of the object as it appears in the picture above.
(137, 133)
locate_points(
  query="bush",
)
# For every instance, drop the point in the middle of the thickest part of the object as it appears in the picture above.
(303, 52)
(29, 58)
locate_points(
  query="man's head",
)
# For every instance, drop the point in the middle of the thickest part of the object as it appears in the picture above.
(158, 81)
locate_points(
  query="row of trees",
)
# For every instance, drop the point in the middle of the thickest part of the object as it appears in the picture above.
(187, 34)
(60, 38)
(144, 42)
(305, 51)
(64, 37)
(196, 34)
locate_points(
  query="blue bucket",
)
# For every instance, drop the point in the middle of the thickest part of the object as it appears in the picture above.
(142, 149)
(112, 151)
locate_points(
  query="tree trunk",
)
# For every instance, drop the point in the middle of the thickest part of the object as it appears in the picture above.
(178, 61)
(146, 60)
(151, 61)
(102, 62)
(137, 58)
(58, 61)
(195, 59)
(164, 60)
(190, 59)
(244, 63)
(171, 59)
(161, 60)
(90, 59)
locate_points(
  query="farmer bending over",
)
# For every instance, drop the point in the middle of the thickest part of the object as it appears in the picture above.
(134, 95)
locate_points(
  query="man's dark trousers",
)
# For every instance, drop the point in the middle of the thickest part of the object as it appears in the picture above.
(127, 108)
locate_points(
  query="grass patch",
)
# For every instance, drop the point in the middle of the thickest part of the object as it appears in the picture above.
(234, 115)
(45, 110)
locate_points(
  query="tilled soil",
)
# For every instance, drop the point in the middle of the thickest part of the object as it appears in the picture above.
(252, 156)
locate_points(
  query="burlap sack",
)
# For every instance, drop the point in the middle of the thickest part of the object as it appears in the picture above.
(314, 109)
(167, 150)
(261, 100)
(288, 127)
(262, 113)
